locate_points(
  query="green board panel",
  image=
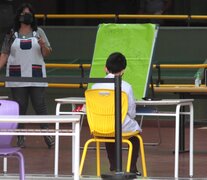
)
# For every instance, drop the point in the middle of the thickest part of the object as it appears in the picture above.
(136, 42)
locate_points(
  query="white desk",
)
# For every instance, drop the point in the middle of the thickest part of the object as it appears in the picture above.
(60, 102)
(178, 103)
(75, 133)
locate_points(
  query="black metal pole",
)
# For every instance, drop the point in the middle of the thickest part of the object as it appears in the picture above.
(118, 129)
(119, 174)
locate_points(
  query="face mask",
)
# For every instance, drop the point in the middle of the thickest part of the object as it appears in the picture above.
(26, 18)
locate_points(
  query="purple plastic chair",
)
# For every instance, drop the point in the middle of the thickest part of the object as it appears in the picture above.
(8, 107)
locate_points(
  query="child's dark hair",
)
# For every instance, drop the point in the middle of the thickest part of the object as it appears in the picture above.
(116, 62)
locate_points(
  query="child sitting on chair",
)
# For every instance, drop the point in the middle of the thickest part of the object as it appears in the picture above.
(115, 65)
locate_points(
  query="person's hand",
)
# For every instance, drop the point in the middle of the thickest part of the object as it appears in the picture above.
(45, 50)
(41, 42)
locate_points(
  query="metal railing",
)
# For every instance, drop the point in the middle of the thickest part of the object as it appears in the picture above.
(159, 81)
(117, 17)
(84, 67)
(179, 66)
(81, 67)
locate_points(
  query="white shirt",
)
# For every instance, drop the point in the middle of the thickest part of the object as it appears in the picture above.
(129, 124)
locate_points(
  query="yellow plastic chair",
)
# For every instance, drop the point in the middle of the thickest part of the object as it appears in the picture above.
(100, 108)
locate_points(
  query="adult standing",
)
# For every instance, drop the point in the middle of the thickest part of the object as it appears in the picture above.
(23, 50)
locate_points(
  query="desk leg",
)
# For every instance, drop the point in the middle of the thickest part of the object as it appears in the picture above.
(57, 142)
(56, 150)
(73, 148)
(177, 131)
(5, 165)
(58, 109)
(76, 150)
(73, 141)
(191, 140)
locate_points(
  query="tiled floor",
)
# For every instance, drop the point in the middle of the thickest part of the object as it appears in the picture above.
(160, 159)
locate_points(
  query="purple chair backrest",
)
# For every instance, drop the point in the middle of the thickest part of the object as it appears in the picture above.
(8, 107)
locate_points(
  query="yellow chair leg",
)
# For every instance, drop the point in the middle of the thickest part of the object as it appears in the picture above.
(98, 163)
(144, 169)
(84, 154)
(129, 159)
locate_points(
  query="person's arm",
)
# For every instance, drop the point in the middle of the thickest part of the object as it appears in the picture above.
(131, 104)
(3, 59)
(44, 43)
(46, 51)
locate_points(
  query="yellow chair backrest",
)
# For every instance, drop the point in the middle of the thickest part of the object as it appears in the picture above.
(100, 109)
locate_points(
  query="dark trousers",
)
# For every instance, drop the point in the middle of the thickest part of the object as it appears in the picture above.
(37, 97)
(110, 148)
